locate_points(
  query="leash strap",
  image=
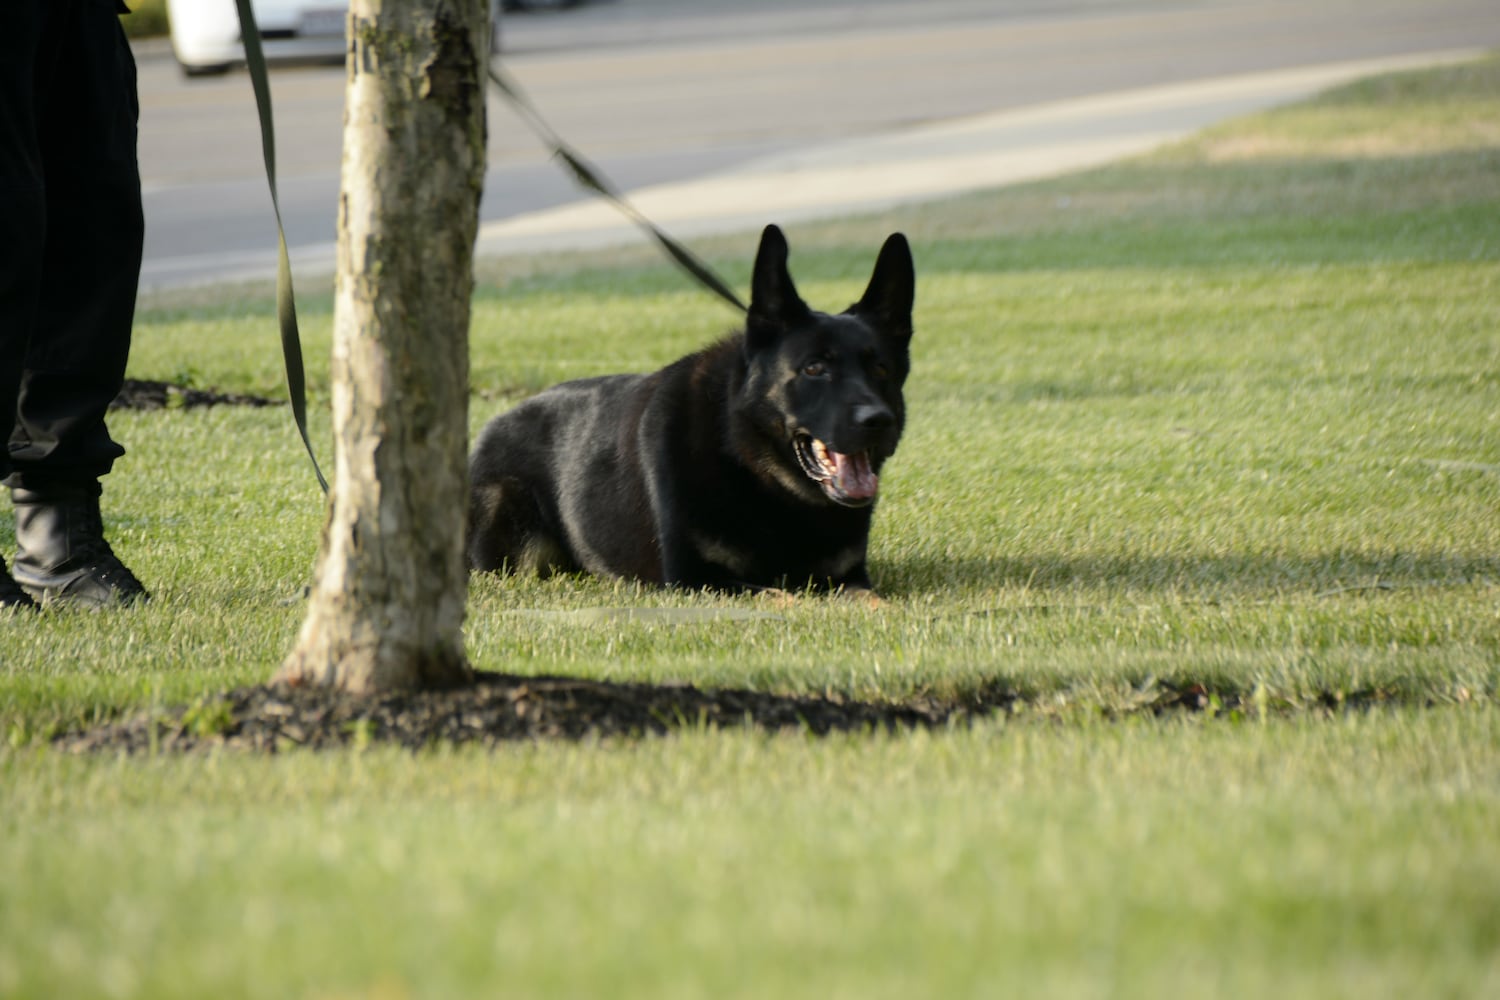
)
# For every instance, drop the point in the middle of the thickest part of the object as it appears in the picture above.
(286, 304)
(589, 176)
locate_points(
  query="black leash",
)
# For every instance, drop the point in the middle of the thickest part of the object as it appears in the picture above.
(587, 176)
(286, 300)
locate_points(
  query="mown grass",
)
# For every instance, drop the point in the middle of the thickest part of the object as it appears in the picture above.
(1305, 858)
(1222, 415)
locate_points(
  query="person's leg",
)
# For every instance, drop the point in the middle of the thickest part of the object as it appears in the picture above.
(85, 299)
(85, 306)
(23, 221)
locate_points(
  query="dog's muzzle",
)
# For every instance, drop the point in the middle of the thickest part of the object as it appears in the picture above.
(849, 480)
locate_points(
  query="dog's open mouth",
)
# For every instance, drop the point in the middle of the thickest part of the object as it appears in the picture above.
(846, 479)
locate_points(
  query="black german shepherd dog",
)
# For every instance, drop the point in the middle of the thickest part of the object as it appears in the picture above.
(751, 464)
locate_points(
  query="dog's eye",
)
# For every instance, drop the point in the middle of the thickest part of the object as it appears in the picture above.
(815, 369)
(880, 371)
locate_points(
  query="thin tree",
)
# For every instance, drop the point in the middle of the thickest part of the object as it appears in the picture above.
(386, 610)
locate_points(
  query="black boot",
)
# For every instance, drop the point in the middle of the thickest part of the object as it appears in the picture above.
(11, 594)
(62, 555)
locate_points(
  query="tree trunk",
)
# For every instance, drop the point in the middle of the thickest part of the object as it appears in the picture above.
(386, 612)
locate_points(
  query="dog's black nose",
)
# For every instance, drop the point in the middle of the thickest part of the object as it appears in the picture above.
(874, 418)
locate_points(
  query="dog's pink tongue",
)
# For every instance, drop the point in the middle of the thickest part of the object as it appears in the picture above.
(854, 476)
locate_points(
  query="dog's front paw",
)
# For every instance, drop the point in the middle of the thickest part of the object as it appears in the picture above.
(862, 595)
(776, 597)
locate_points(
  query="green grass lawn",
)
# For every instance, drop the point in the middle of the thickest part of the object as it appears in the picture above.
(1228, 415)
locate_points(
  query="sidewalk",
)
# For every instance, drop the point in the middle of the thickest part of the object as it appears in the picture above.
(935, 161)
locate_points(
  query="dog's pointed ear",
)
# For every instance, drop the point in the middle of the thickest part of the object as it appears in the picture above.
(774, 302)
(892, 289)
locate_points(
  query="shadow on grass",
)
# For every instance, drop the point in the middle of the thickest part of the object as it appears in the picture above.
(1226, 577)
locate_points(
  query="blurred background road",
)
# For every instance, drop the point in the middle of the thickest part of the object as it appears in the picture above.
(739, 112)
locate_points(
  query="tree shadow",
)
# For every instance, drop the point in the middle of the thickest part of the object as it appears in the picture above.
(1229, 576)
(500, 708)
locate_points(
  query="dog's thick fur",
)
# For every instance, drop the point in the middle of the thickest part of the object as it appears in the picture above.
(752, 463)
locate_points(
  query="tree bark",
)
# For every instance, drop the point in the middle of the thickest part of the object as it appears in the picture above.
(386, 611)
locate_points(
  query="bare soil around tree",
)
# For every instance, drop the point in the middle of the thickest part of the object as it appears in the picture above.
(494, 709)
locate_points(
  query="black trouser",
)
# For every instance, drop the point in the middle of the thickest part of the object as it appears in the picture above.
(70, 236)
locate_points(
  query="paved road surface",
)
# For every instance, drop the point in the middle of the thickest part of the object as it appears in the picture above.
(683, 97)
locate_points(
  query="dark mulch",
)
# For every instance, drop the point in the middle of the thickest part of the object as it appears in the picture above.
(502, 707)
(496, 708)
(146, 394)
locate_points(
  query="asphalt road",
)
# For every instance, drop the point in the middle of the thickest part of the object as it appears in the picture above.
(671, 90)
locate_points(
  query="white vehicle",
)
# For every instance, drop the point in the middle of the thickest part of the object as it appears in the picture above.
(206, 33)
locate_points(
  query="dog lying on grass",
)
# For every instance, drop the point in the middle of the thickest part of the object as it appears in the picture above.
(753, 463)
